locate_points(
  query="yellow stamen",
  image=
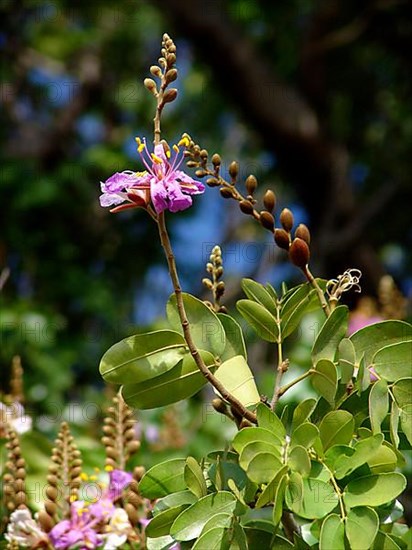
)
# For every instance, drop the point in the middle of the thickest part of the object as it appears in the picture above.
(141, 147)
(168, 154)
(84, 476)
(184, 141)
(73, 498)
(157, 159)
(175, 148)
(93, 478)
(138, 140)
(97, 470)
(109, 468)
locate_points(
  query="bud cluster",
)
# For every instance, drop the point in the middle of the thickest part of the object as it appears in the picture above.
(215, 269)
(165, 72)
(64, 478)
(14, 474)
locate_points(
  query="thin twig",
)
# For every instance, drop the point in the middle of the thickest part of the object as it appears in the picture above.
(319, 291)
(282, 390)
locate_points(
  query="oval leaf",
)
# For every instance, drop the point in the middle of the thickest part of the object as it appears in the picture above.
(181, 382)
(143, 356)
(263, 467)
(336, 428)
(316, 500)
(402, 390)
(362, 525)
(332, 534)
(163, 479)
(249, 435)
(333, 330)
(269, 420)
(325, 379)
(260, 319)
(237, 378)
(258, 293)
(394, 361)
(374, 490)
(378, 404)
(194, 478)
(160, 525)
(191, 521)
(205, 327)
(235, 343)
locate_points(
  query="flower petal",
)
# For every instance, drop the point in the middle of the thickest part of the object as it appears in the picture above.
(188, 184)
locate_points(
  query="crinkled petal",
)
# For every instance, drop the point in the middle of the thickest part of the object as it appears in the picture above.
(177, 200)
(188, 184)
(159, 195)
(122, 180)
(112, 199)
(160, 152)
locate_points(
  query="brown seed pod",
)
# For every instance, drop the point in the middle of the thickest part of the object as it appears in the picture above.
(171, 75)
(212, 182)
(286, 219)
(156, 71)
(299, 252)
(216, 160)
(303, 233)
(267, 220)
(269, 200)
(246, 207)
(226, 193)
(170, 95)
(200, 173)
(251, 184)
(234, 170)
(150, 84)
(219, 405)
(282, 239)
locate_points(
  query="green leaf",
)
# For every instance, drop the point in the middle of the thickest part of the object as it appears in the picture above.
(235, 343)
(374, 490)
(194, 477)
(160, 525)
(332, 534)
(331, 333)
(406, 421)
(363, 378)
(227, 471)
(214, 539)
(299, 302)
(143, 356)
(160, 543)
(269, 492)
(263, 467)
(310, 498)
(163, 479)
(385, 542)
(325, 379)
(299, 460)
(270, 421)
(237, 378)
(205, 327)
(278, 501)
(219, 520)
(260, 319)
(174, 499)
(384, 460)
(369, 340)
(258, 293)
(254, 448)
(402, 391)
(251, 435)
(191, 521)
(362, 525)
(394, 423)
(362, 452)
(394, 361)
(272, 291)
(238, 539)
(304, 435)
(181, 382)
(336, 428)
(378, 404)
(303, 411)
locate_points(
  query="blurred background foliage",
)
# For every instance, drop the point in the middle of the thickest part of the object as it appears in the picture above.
(312, 97)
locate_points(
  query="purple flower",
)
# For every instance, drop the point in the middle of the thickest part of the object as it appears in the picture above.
(168, 187)
(119, 480)
(77, 531)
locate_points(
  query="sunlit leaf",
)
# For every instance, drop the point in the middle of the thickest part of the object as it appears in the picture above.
(336, 428)
(205, 327)
(362, 525)
(378, 404)
(325, 379)
(394, 361)
(374, 490)
(269, 420)
(258, 293)
(194, 477)
(260, 319)
(332, 533)
(369, 340)
(235, 343)
(237, 378)
(143, 356)
(163, 478)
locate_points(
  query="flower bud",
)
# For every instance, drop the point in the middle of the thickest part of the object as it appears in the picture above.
(170, 95)
(171, 75)
(269, 200)
(216, 160)
(204, 154)
(156, 71)
(234, 169)
(299, 252)
(170, 59)
(246, 207)
(45, 521)
(282, 238)
(303, 233)
(286, 219)
(267, 220)
(251, 184)
(226, 193)
(219, 405)
(150, 84)
(212, 182)
(200, 173)
(207, 283)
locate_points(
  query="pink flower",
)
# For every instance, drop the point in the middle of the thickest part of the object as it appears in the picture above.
(76, 532)
(162, 182)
